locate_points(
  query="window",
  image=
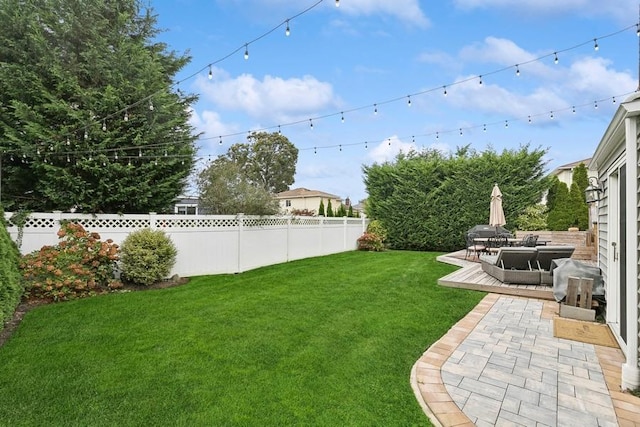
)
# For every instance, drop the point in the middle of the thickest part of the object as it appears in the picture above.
(287, 203)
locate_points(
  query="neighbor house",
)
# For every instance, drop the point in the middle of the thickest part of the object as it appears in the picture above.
(615, 165)
(565, 172)
(301, 199)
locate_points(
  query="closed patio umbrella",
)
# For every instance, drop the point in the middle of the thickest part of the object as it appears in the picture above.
(496, 214)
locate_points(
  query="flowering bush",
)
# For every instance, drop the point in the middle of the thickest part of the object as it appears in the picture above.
(370, 242)
(79, 265)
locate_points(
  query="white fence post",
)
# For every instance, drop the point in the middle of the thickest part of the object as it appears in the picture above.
(152, 220)
(240, 227)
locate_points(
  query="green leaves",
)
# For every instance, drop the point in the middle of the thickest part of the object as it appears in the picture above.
(427, 200)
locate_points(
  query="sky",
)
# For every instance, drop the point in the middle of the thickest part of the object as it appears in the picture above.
(355, 84)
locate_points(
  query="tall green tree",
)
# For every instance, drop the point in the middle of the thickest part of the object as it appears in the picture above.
(225, 190)
(560, 216)
(330, 212)
(427, 200)
(88, 112)
(267, 160)
(321, 208)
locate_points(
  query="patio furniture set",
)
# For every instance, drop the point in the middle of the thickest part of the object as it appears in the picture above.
(525, 265)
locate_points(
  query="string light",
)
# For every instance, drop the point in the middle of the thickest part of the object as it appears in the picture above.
(389, 142)
(366, 146)
(638, 30)
(573, 109)
(220, 143)
(375, 108)
(315, 151)
(445, 90)
(246, 51)
(595, 104)
(311, 123)
(555, 60)
(342, 116)
(517, 70)
(484, 127)
(287, 31)
(210, 72)
(340, 147)
(151, 108)
(279, 130)
(337, 3)
(480, 79)
(409, 100)
(595, 45)
(104, 126)
(437, 135)
(614, 99)
(506, 123)
(460, 131)
(551, 112)
(126, 116)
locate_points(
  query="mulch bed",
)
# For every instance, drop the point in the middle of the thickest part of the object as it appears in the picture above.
(29, 304)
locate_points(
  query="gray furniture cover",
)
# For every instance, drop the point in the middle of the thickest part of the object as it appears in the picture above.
(563, 268)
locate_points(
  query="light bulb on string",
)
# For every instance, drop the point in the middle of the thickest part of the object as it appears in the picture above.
(155, 162)
(445, 90)
(389, 142)
(151, 108)
(337, 3)
(126, 116)
(86, 134)
(409, 100)
(210, 72)
(68, 159)
(279, 130)
(413, 139)
(437, 135)
(220, 142)
(315, 151)
(484, 128)
(375, 108)
(573, 109)
(555, 59)
(551, 114)
(246, 51)
(366, 146)
(139, 153)
(342, 117)
(340, 146)
(595, 104)
(460, 131)
(595, 45)
(506, 123)
(614, 99)
(115, 156)
(638, 30)
(517, 70)
(311, 123)
(287, 31)
(480, 79)
(104, 125)
(68, 142)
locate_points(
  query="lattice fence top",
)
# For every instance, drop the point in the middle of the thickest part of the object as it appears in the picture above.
(115, 222)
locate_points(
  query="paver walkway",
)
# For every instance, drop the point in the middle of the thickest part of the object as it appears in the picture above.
(501, 365)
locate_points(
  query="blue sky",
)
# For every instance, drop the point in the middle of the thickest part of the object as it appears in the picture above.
(364, 55)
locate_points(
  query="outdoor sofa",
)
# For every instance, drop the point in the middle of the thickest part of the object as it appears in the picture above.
(524, 265)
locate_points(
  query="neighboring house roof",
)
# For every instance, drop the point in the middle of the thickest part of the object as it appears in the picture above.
(571, 166)
(299, 193)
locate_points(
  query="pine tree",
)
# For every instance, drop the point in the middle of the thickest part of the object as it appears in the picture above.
(330, 212)
(321, 208)
(88, 112)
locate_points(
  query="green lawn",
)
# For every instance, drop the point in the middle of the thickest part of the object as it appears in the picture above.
(325, 341)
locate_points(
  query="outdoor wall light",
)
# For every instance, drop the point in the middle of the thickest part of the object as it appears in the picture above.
(593, 192)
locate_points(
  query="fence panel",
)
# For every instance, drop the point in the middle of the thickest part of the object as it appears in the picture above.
(210, 244)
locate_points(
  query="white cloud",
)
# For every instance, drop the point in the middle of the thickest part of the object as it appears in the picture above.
(389, 149)
(594, 76)
(619, 9)
(405, 10)
(272, 98)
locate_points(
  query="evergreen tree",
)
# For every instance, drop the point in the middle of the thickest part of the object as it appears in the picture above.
(341, 211)
(350, 212)
(88, 112)
(560, 217)
(330, 212)
(321, 208)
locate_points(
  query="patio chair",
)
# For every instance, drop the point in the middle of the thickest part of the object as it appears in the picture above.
(545, 257)
(496, 242)
(473, 247)
(512, 265)
(529, 241)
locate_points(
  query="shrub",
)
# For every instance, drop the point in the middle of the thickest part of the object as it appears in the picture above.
(79, 265)
(370, 242)
(147, 256)
(11, 288)
(377, 228)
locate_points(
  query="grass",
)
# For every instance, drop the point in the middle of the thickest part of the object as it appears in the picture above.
(324, 341)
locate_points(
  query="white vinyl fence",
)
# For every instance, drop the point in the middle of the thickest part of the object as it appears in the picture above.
(210, 244)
